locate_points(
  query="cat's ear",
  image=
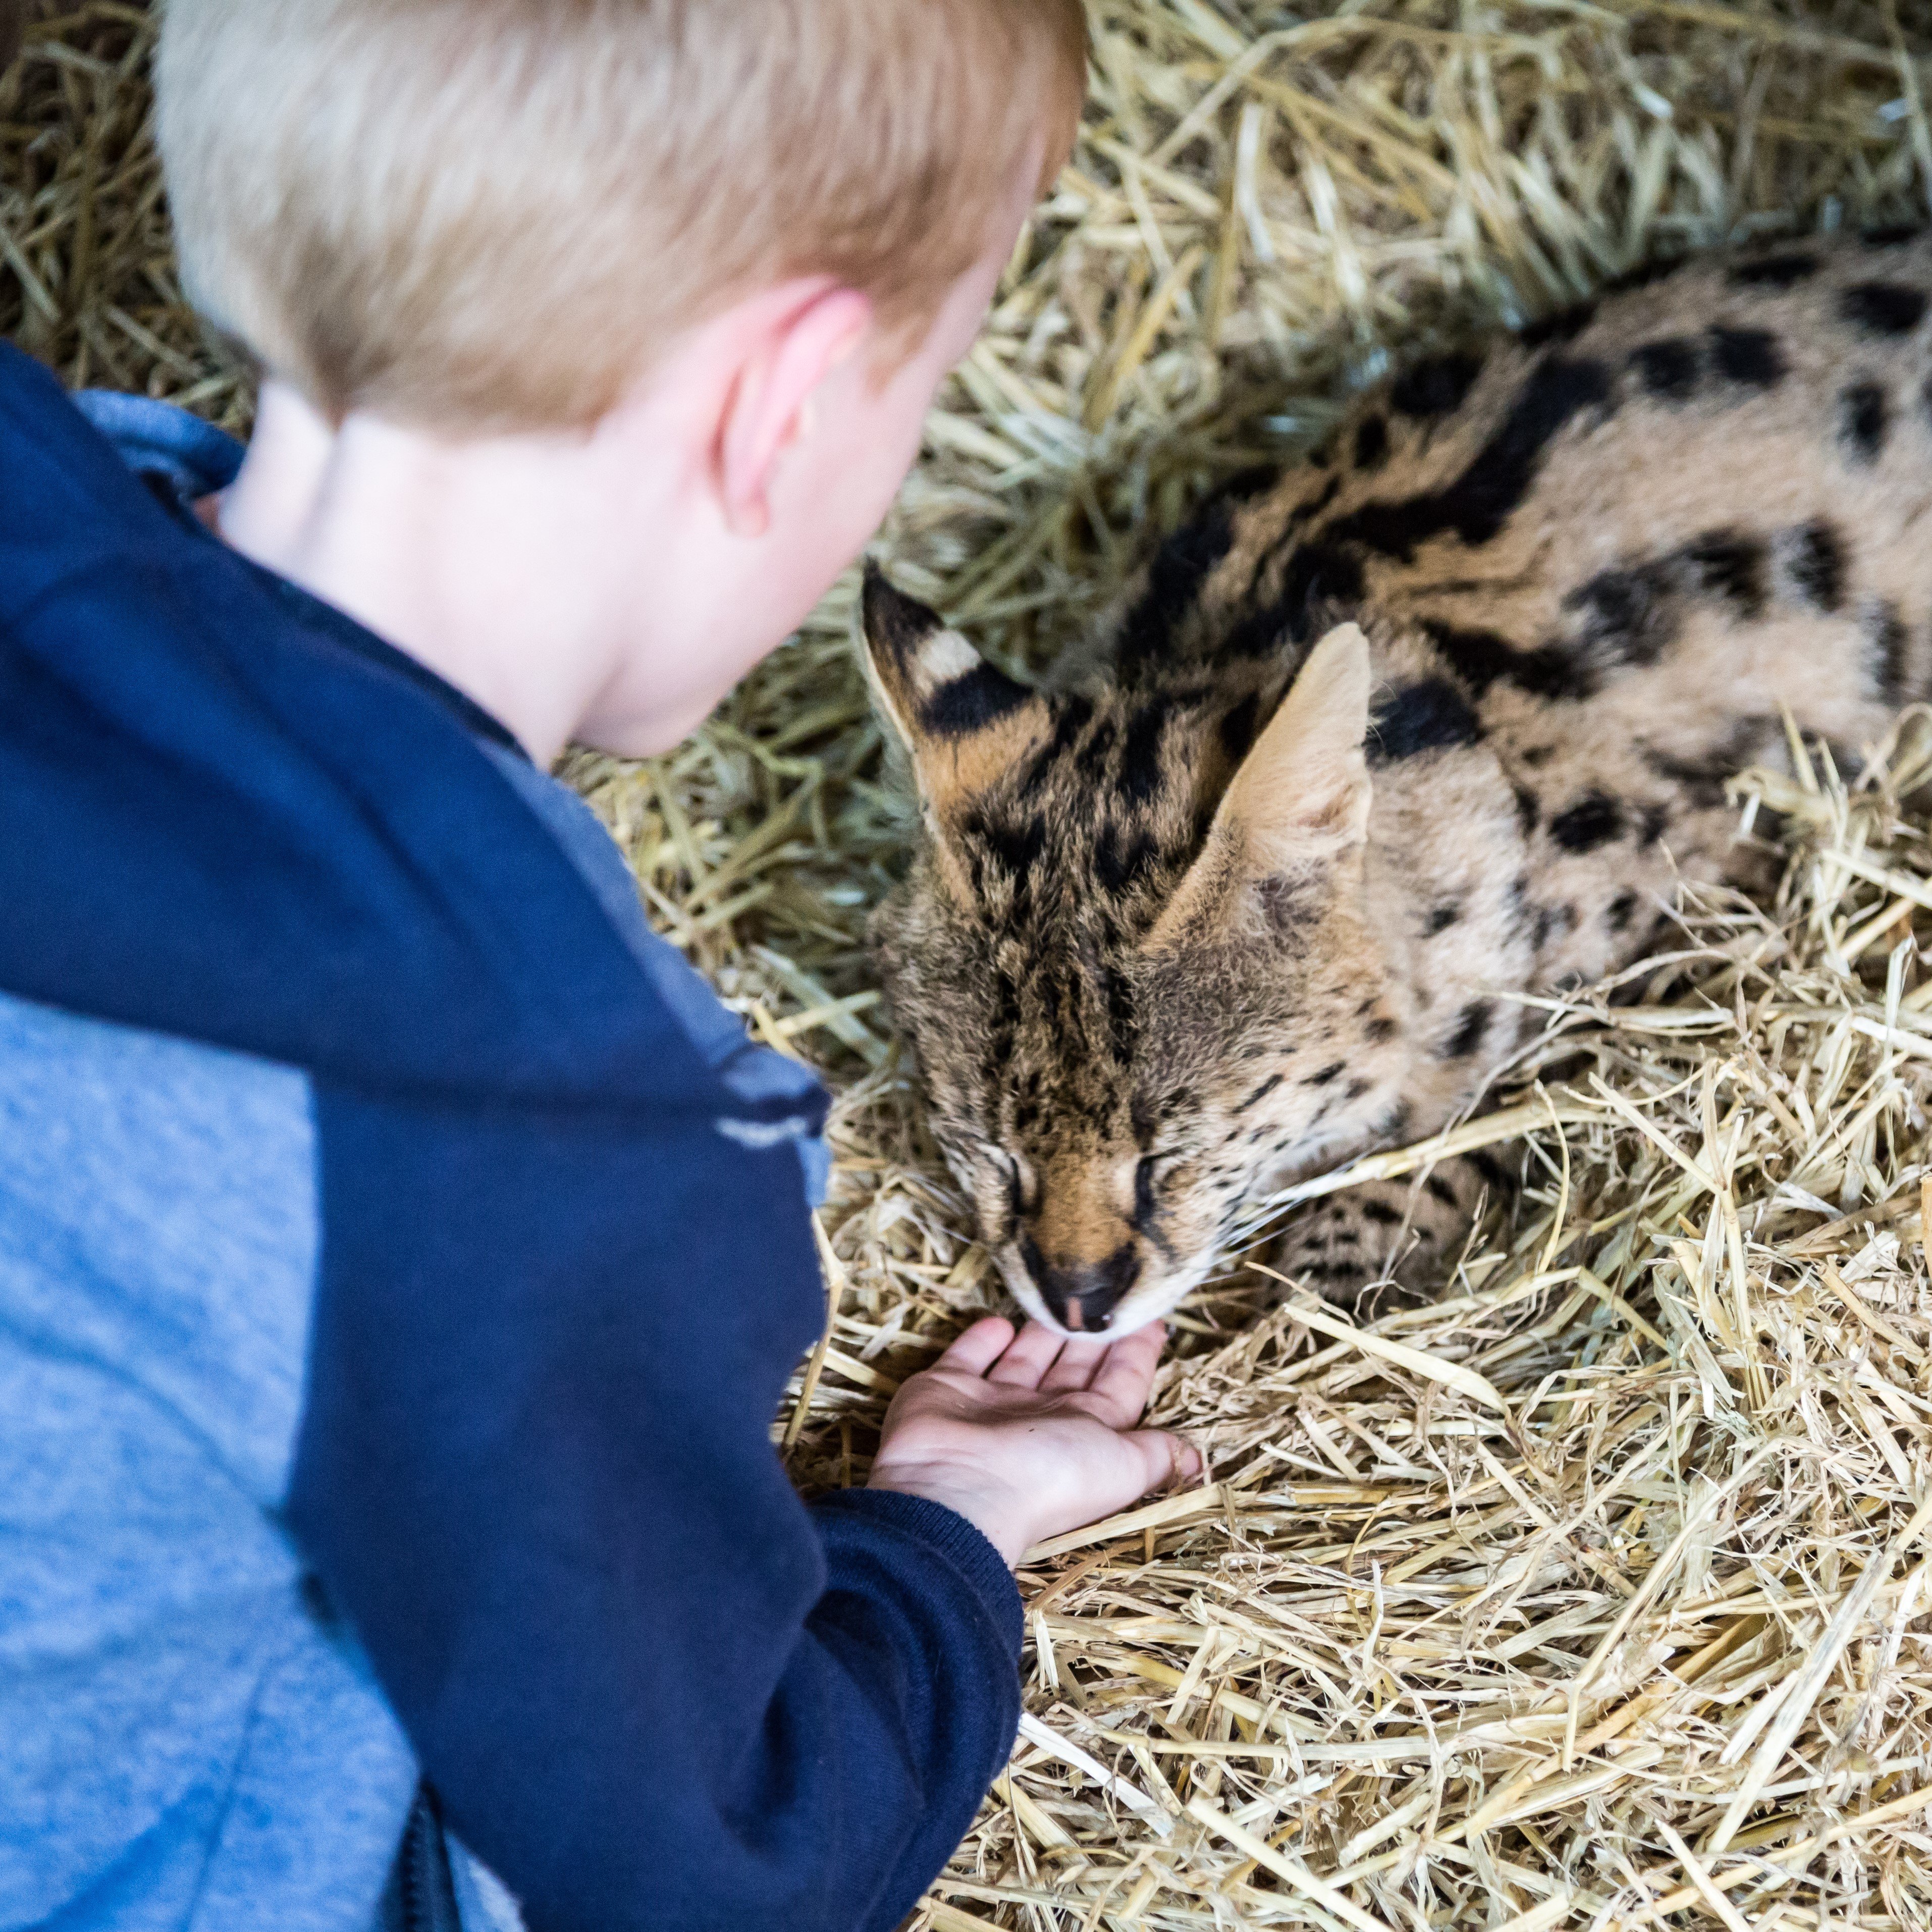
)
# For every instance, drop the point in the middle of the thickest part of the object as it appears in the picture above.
(1298, 806)
(964, 722)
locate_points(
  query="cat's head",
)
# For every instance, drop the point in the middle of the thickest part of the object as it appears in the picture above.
(1131, 954)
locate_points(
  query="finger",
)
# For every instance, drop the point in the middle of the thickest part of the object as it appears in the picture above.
(1074, 1369)
(1121, 1385)
(1030, 1358)
(980, 1347)
(1165, 1459)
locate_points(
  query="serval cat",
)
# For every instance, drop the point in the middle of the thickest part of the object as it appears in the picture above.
(1431, 721)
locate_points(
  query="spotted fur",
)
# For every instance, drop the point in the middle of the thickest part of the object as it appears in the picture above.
(1264, 891)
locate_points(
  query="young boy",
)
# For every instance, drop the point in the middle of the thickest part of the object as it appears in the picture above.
(402, 1254)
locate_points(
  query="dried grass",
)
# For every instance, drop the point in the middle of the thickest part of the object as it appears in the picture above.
(1595, 1595)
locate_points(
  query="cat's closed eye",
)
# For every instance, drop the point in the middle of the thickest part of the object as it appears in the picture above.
(1010, 1184)
(1147, 1182)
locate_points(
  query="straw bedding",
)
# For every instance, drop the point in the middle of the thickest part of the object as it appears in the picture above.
(1596, 1594)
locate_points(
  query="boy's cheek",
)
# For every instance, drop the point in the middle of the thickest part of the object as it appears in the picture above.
(830, 493)
(826, 510)
(841, 482)
(658, 707)
(672, 680)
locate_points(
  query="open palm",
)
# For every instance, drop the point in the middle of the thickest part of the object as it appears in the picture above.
(1027, 1436)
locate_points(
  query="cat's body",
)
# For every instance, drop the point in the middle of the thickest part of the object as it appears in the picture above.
(1171, 939)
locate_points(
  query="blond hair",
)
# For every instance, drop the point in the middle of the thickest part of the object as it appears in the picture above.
(473, 215)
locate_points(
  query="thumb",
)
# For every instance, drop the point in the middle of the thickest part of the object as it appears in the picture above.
(1165, 1458)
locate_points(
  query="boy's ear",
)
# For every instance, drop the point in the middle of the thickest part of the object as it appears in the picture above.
(965, 721)
(1299, 803)
(797, 340)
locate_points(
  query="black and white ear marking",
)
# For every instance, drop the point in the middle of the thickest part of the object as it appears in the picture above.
(935, 684)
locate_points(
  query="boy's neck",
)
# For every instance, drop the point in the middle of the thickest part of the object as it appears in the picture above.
(403, 532)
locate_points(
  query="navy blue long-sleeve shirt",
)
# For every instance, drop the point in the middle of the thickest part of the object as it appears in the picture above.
(402, 1255)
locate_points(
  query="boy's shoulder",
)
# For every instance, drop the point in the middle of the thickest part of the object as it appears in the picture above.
(308, 849)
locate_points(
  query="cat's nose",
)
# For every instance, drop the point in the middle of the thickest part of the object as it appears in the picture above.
(1082, 1296)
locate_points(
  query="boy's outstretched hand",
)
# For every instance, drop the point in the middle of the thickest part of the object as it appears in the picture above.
(1028, 1435)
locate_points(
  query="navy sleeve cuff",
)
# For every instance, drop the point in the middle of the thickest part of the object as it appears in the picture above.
(945, 1535)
